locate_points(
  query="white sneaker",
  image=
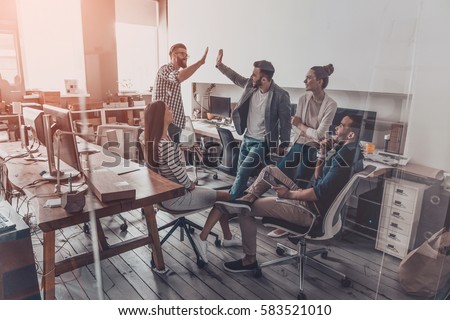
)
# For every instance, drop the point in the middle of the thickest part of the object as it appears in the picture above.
(233, 242)
(202, 247)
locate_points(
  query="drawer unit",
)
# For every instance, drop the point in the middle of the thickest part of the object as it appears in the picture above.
(400, 213)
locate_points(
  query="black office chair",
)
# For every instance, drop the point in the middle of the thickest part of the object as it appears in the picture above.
(230, 151)
(187, 227)
(329, 225)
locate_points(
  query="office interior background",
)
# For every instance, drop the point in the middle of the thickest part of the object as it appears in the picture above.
(390, 56)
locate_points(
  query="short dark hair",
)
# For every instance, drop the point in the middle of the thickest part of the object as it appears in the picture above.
(266, 68)
(356, 124)
(175, 47)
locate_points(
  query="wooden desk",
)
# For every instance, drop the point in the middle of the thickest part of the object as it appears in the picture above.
(209, 130)
(150, 188)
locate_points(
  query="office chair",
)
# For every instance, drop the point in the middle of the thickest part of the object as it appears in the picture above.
(321, 229)
(124, 141)
(230, 151)
(198, 155)
(120, 139)
(186, 227)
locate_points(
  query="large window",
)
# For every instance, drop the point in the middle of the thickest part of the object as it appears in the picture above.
(9, 65)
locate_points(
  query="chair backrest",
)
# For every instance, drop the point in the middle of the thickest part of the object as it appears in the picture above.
(187, 137)
(230, 151)
(332, 219)
(120, 139)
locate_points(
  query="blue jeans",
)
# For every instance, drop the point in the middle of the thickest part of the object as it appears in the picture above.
(251, 154)
(299, 163)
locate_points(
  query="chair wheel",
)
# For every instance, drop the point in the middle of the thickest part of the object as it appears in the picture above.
(123, 227)
(191, 230)
(86, 229)
(152, 263)
(280, 251)
(346, 282)
(257, 273)
(324, 255)
(196, 182)
(200, 263)
(215, 176)
(218, 243)
(301, 296)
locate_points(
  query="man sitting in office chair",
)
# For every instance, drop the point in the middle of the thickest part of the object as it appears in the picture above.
(333, 171)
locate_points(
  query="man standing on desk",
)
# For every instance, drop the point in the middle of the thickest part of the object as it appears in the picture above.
(168, 85)
(262, 115)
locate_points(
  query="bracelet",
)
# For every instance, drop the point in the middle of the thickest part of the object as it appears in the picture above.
(320, 156)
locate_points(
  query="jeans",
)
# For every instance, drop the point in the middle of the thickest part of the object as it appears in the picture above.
(299, 163)
(251, 154)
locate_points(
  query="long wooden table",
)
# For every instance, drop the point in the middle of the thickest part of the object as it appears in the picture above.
(151, 188)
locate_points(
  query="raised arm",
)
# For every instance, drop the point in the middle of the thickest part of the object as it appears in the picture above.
(235, 77)
(187, 72)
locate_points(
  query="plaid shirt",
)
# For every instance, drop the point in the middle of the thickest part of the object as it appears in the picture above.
(168, 89)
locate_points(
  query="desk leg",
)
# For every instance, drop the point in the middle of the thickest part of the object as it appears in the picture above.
(152, 227)
(48, 277)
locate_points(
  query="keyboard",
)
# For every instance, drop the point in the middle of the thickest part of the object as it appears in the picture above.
(6, 224)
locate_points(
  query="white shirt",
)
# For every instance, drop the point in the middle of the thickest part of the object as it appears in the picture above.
(255, 120)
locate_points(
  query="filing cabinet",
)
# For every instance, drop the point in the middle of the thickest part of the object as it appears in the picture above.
(400, 213)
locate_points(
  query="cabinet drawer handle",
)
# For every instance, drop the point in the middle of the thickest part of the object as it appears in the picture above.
(392, 236)
(391, 247)
(393, 224)
(398, 203)
(396, 214)
(399, 191)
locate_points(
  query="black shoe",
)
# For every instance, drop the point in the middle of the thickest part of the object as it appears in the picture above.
(236, 266)
(236, 206)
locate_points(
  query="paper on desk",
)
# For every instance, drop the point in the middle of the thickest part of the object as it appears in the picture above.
(423, 171)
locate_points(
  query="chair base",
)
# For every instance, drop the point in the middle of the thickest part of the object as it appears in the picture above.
(302, 257)
(187, 227)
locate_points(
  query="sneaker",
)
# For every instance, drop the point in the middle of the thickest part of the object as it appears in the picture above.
(277, 233)
(233, 242)
(236, 266)
(202, 247)
(236, 206)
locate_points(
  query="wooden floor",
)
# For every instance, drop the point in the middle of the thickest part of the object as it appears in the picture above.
(129, 276)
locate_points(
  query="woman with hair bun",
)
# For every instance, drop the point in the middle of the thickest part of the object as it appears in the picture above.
(312, 120)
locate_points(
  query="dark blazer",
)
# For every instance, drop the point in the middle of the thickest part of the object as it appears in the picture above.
(277, 114)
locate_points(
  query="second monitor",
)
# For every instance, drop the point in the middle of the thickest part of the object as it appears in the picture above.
(220, 106)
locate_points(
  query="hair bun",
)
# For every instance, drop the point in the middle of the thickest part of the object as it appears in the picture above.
(329, 69)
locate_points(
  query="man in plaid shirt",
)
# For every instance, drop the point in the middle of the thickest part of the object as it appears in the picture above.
(168, 85)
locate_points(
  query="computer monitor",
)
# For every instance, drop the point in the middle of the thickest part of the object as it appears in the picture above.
(68, 150)
(293, 109)
(33, 120)
(220, 106)
(367, 125)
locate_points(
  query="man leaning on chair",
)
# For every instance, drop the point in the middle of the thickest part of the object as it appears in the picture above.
(333, 171)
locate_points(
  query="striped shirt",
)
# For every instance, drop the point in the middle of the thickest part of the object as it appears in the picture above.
(168, 89)
(170, 165)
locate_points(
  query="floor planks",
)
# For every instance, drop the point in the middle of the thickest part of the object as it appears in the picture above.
(129, 275)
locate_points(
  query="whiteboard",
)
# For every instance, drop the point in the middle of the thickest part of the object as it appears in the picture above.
(370, 43)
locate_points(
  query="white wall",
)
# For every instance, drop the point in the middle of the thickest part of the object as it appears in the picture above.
(428, 139)
(354, 35)
(398, 48)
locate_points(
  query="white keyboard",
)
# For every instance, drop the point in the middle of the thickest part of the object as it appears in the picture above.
(389, 159)
(6, 224)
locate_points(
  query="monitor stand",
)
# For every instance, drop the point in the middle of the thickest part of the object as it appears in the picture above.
(63, 176)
